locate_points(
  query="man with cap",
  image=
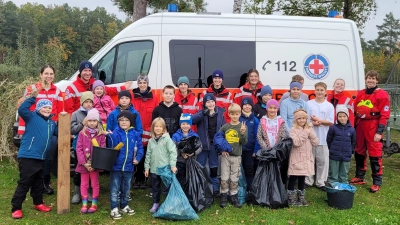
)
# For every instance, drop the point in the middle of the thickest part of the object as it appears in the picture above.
(222, 95)
(260, 108)
(251, 146)
(84, 82)
(186, 98)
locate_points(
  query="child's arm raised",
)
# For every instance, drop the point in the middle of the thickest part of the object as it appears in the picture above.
(299, 136)
(23, 110)
(243, 134)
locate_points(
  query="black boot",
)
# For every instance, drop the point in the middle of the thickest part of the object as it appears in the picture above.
(224, 200)
(46, 186)
(235, 201)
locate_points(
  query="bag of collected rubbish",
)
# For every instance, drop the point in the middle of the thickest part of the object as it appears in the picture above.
(189, 144)
(242, 192)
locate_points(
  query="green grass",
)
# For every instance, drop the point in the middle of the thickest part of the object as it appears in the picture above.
(379, 208)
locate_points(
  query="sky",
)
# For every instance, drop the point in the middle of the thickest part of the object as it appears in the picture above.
(225, 6)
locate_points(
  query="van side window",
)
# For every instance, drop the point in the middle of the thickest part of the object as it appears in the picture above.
(105, 67)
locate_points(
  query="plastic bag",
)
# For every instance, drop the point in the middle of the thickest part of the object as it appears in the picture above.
(198, 189)
(176, 206)
(337, 186)
(189, 144)
(267, 188)
(280, 151)
(242, 192)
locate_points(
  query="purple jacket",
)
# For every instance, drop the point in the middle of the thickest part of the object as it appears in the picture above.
(85, 142)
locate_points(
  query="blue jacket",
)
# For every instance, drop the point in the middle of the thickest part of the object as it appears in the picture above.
(112, 121)
(39, 131)
(177, 136)
(201, 121)
(252, 127)
(341, 140)
(221, 145)
(287, 107)
(130, 139)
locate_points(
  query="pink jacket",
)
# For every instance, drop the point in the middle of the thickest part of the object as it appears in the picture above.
(85, 142)
(104, 105)
(301, 161)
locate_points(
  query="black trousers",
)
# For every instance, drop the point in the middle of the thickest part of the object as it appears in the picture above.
(49, 158)
(139, 175)
(300, 182)
(155, 187)
(30, 177)
(248, 167)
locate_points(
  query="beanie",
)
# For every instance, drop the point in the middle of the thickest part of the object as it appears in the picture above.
(84, 65)
(143, 77)
(218, 73)
(247, 100)
(208, 97)
(97, 83)
(273, 102)
(183, 79)
(43, 103)
(87, 95)
(295, 84)
(186, 118)
(93, 114)
(342, 108)
(128, 115)
(265, 90)
(125, 93)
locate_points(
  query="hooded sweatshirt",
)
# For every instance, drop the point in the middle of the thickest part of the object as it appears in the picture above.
(288, 106)
(171, 116)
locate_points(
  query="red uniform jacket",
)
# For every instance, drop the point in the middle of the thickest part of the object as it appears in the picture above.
(342, 99)
(245, 91)
(223, 100)
(189, 104)
(375, 106)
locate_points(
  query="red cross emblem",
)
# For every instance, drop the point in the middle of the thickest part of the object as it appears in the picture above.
(316, 66)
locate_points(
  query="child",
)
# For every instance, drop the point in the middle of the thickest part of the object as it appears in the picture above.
(77, 123)
(235, 134)
(124, 103)
(301, 161)
(299, 79)
(341, 140)
(169, 110)
(32, 153)
(252, 144)
(102, 102)
(161, 151)
(209, 121)
(84, 148)
(185, 132)
(322, 116)
(260, 108)
(122, 171)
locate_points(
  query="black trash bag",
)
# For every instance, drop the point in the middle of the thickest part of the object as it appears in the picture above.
(189, 144)
(267, 188)
(280, 151)
(198, 188)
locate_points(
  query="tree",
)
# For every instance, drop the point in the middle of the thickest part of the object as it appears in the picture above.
(237, 6)
(389, 34)
(96, 38)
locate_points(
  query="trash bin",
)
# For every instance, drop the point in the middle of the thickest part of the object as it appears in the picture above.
(103, 158)
(340, 195)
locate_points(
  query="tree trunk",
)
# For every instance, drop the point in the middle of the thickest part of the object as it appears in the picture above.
(237, 6)
(347, 9)
(139, 9)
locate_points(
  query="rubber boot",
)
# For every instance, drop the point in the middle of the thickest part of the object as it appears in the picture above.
(293, 198)
(76, 198)
(235, 201)
(224, 200)
(46, 186)
(302, 200)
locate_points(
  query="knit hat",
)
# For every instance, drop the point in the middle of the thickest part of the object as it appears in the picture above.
(266, 90)
(295, 84)
(93, 114)
(342, 108)
(186, 118)
(43, 103)
(247, 100)
(300, 114)
(273, 102)
(84, 65)
(126, 114)
(143, 77)
(208, 97)
(125, 93)
(183, 79)
(97, 83)
(218, 73)
(87, 95)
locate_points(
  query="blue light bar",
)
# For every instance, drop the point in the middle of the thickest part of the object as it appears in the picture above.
(172, 8)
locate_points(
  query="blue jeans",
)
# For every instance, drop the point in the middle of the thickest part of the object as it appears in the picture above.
(120, 181)
(212, 157)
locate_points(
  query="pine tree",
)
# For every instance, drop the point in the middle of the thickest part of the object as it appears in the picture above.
(389, 34)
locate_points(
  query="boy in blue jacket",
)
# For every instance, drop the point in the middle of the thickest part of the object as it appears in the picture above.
(35, 144)
(341, 140)
(252, 144)
(129, 155)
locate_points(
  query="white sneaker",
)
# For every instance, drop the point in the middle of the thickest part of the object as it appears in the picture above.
(115, 214)
(127, 210)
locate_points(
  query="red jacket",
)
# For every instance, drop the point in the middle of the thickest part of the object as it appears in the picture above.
(245, 91)
(145, 106)
(375, 106)
(74, 91)
(223, 99)
(342, 99)
(188, 104)
(53, 94)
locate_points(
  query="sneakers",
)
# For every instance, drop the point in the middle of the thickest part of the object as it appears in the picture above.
(155, 207)
(151, 194)
(84, 209)
(129, 197)
(92, 209)
(115, 214)
(374, 188)
(127, 210)
(42, 208)
(17, 214)
(357, 180)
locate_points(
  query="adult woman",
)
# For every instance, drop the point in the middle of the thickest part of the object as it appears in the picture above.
(338, 97)
(252, 88)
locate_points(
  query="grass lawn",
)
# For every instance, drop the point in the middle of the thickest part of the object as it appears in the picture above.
(379, 208)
